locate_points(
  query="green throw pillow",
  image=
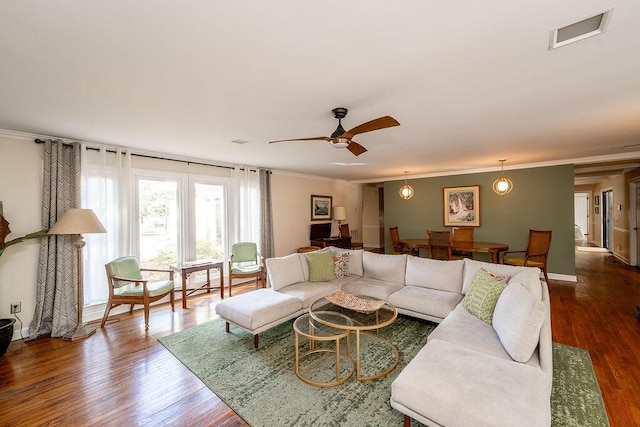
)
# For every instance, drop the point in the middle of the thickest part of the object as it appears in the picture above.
(483, 294)
(321, 268)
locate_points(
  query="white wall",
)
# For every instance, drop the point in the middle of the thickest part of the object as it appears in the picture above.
(21, 193)
(21, 189)
(291, 196)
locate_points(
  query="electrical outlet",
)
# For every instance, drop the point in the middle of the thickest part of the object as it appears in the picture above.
(16, 307)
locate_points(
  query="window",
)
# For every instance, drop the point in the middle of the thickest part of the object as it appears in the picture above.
(179, 217)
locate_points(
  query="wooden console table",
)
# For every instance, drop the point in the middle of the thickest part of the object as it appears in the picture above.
(340, 242)
(186, 268)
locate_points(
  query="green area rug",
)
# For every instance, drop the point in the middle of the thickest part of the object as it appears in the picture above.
(261, 386)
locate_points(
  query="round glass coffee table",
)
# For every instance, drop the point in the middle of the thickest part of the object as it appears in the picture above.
(315, 332)
(347, 317)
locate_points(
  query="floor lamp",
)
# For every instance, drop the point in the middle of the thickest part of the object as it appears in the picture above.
(78, 221)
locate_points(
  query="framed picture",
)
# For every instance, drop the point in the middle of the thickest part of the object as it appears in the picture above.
(596, 200)
(462, 206)
(597, 210)
(321, 207)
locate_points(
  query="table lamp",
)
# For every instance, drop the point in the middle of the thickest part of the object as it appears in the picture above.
(78, 221)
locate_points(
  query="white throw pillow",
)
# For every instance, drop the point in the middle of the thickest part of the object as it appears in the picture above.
(284, 271)
(530, 280)
(517, 319)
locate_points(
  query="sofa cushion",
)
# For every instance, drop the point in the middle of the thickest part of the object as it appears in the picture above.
(434, 274)
(427, 301)
(483, 294)
(517, 319)
(255, 309)
(308, 292)
(456, 386)
(529, 279)
(471, 267)
(321, 267)
(355, 259)
(341, 265)
(284, 271)
(380, 289)
(390, 268)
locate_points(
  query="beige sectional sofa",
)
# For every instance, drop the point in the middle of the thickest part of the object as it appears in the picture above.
(469, 373)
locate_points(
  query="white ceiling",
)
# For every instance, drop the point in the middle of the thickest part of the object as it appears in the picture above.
(470, 82)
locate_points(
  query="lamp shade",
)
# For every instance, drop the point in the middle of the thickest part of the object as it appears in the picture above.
(339, 213)
(78, 221)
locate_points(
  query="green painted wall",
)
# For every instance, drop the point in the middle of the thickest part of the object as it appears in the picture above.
(542, 198)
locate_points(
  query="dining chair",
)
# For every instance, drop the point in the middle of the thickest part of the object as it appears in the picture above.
(398, 248)
(127, 286)
(440, 245)
(462, 234)
(246, 262)
(536, 253)
(344, 232)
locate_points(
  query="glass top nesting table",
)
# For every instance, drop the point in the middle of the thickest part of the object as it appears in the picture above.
(363, 325)
(315, 332)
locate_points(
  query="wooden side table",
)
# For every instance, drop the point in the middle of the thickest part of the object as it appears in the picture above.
(188, 267)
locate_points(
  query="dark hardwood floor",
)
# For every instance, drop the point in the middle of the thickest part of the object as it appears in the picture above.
(123, 376)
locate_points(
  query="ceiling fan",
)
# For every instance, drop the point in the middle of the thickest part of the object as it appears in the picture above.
(342, 139)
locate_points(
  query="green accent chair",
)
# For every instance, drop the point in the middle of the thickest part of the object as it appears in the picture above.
(127, 286)
(245, 262)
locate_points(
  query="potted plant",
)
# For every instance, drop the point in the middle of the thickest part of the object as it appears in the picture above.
(6, 325)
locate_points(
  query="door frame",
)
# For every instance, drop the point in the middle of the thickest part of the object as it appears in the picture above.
(634, 185)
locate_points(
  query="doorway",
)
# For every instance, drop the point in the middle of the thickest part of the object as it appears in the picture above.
(581, 214)
(607, 220)
(634, 191)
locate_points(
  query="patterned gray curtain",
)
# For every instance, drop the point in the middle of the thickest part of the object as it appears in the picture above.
(266, 216)
(56, 294)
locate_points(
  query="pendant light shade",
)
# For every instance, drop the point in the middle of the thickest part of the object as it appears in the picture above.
(502, 185)
(406, 191)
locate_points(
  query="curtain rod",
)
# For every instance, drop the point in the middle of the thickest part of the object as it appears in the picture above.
(146, 156)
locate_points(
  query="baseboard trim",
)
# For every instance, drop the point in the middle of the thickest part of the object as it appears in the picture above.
(563, 277)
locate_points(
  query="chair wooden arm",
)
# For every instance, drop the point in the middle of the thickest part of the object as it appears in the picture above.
(513, 252)
(136, 281)
(160, 270)
(128, 279)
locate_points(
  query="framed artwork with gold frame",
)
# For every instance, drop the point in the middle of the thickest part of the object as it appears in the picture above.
(462, 206)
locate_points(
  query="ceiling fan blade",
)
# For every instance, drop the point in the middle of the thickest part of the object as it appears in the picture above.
(356, 148)
(375, 124)
(315, 138)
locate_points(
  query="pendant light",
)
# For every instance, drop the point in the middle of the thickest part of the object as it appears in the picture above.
(406, 191)
(502, 185)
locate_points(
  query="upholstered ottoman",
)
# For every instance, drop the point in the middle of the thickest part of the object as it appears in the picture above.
(258, 310)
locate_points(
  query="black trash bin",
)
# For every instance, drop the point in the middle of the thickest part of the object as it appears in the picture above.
(6, 333)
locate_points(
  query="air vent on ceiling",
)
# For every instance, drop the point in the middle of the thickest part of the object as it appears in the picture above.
(580, 30)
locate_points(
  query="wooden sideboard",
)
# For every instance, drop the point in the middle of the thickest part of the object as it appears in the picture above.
(340, 242)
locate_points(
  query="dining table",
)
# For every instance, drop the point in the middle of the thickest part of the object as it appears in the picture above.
(482, 247)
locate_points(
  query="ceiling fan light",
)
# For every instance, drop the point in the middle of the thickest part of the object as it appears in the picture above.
(340, 142)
